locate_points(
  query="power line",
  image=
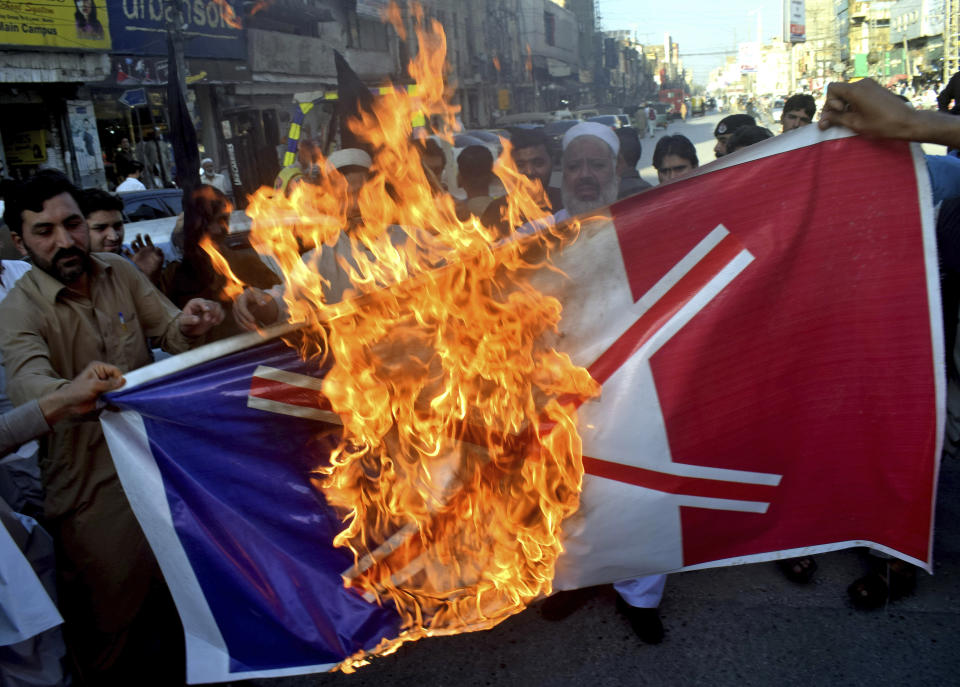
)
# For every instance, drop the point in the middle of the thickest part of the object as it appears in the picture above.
(706, 54)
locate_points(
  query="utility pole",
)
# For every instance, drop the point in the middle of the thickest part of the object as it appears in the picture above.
(175, 30)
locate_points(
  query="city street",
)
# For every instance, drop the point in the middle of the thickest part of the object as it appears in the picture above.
(735, 626)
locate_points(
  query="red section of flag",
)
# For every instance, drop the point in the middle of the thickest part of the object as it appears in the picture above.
(678, 484)
(665, 307)
(281, 392)
(816, 363)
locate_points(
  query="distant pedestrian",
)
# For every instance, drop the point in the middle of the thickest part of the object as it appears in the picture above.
(213, 178)
(651, 121)
(132, 182)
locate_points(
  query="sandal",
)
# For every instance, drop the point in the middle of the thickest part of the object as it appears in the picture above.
(799, 570)
(890, 579)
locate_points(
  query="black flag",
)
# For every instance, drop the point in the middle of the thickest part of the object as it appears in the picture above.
(183, 137)
(353, 97)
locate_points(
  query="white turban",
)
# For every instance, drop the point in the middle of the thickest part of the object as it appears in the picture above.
(349, 157)
(601, 131)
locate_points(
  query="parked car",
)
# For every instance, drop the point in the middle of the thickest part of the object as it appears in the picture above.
(555, 131)
(153, 203)
(776, 109)
(525, 119)
(613, 121)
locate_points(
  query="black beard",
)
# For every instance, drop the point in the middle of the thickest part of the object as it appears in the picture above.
(66, 275)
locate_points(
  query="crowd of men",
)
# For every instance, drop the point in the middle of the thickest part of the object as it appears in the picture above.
(87, 309)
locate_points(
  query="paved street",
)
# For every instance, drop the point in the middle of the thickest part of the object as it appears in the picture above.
(735, 626)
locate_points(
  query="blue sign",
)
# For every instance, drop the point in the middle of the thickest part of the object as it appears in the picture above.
(139, 27)
(134, 97)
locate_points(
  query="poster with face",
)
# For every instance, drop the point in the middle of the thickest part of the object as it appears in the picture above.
(86, 142)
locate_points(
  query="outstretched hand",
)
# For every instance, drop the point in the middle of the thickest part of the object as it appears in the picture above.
(255, 306)
(146, 256)
(867, 108)
(200, 316)
(79, 397)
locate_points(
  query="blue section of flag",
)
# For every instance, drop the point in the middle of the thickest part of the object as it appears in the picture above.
(256, 529)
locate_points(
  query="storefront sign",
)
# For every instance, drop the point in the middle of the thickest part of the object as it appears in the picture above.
(26, 147)
(134, 97)
(86, 142)
(371, 8)
(139, 27)
(749, 57)
(796, 28)
(78, 24)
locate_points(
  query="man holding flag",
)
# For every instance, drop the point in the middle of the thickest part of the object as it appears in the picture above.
(71, 308)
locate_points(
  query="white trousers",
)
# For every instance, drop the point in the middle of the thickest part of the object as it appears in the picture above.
(642, 592)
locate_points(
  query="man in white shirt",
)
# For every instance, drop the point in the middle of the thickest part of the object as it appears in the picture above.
(210, 176)
(132, 182)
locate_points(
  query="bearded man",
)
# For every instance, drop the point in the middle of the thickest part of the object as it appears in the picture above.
(71, 308)
(589, 167)
(590, 182)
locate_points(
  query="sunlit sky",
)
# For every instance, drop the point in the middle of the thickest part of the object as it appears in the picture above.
(698, 25)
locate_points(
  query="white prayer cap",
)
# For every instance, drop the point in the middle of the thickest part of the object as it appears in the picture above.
(601, 131)
(350, 157)
(206, 160)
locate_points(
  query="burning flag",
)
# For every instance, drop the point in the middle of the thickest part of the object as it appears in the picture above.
(772, 378)
(409, 461)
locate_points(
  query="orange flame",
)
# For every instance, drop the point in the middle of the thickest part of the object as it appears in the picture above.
(233, 286)
(496, 63)
(261, 5)
(460, 457)
(228, 15)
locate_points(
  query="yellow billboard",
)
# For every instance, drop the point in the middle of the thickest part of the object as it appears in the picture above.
(55, 24)
(26, 148)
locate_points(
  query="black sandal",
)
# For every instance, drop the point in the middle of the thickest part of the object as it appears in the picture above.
(890, 579)
(799, 570)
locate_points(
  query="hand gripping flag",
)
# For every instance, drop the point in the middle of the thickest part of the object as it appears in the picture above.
(767, 336)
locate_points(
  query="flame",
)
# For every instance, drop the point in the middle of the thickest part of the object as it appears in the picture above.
(261, 5)
(228, 15)
(459, 458)
(496, 63)
(233, 286)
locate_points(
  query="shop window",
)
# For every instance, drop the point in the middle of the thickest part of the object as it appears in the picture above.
(550, 28)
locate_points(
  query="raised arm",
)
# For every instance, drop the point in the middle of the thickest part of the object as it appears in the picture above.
(868, 108)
